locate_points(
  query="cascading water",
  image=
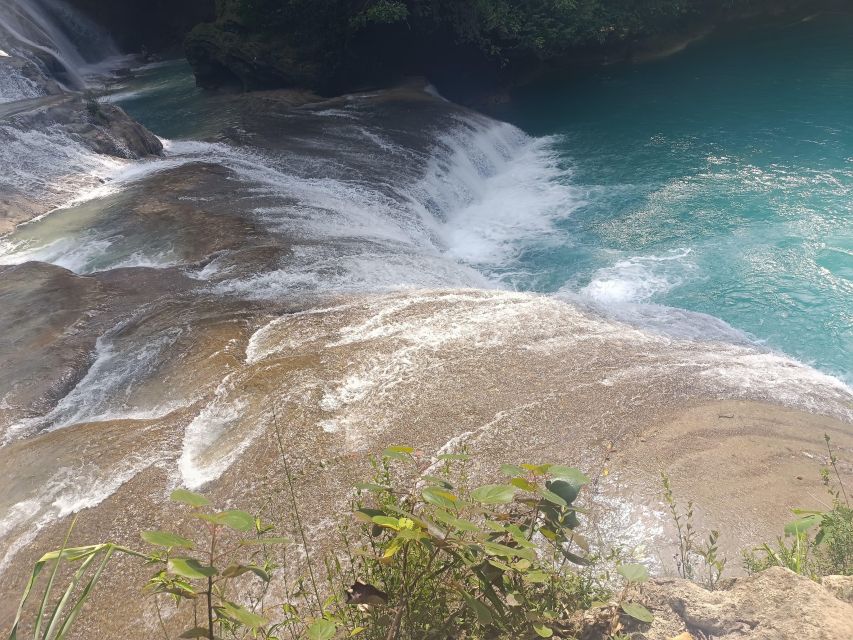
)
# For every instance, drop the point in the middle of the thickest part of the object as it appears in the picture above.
(351, 258)
(46, 41)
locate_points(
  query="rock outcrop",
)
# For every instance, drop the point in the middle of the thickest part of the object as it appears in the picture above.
(775, 604)
(81, 130)
(224, 53)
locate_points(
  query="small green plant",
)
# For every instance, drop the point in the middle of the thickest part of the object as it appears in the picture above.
(830, 550)
(689, 553)
(684, 556)
(440, 558)
(714, 564)
(55, 618)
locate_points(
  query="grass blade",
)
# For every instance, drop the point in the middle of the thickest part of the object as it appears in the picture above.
(49, 587)
(84, 595)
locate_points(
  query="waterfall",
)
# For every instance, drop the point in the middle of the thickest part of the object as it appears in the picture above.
(47, 46)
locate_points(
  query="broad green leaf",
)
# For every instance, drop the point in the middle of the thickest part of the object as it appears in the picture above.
(633, 572)
(387, 522)
(393, 548)
(398, 453)
(802, 525)
(236, 613)
(496, 549)
(566, 490)
(542, 631)
(166, 539)
(484, 614)
(401, 449)
(462, 525)
(638, 612)
(189, 497)
(538, 469)
(535, 576)
(321, 630)
(569, 474)
(237, 520)
(497, 564)
(494, 494)
(439, 497)
(195, 632)
(235, 570)
(513, 471)
(552, 497)
(190, 568)
(523, 484)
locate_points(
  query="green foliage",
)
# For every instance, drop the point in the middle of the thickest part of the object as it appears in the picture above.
(50, 620)
(829, 551)
(438, 559)
(502, 30)
(689, 553)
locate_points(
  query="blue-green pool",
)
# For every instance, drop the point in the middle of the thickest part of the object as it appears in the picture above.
(718, 180)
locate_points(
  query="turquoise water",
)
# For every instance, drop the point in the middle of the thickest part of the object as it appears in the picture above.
(719, 180)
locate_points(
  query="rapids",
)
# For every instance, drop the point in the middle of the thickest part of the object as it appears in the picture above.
(350, 262)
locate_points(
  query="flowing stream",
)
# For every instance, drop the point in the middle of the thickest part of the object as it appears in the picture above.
(665, 234)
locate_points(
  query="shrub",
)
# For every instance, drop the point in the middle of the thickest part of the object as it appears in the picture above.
(438, 559)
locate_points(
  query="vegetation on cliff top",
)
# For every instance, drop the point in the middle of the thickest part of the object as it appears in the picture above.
(435, 558)
(336, 44)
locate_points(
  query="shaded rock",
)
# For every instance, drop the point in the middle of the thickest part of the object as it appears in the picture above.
(224, 54)
(103, 128)
(64, 138)
(771, 605)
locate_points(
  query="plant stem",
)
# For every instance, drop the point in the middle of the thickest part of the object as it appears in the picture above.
(296, 512)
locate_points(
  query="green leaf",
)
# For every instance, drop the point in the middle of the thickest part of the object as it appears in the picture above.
(484, 614)
(802, 525)
(166, 539)
(462, 525)
(535, 576)
(237, 520)
(496, 549)
(638, 612)
(387, 522)
(189, 497)
(550, 496)
(236, 613)
(398, 453)
(494, 494)
(566, 490)
(523, 484)
(439, 497)
(195, 632)
(633, 572)
(462, 457)
(569, 474)
(321, 630)
(542, 631)
(513, 471)
(357, 631)
(538, 469)
(190, 568)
